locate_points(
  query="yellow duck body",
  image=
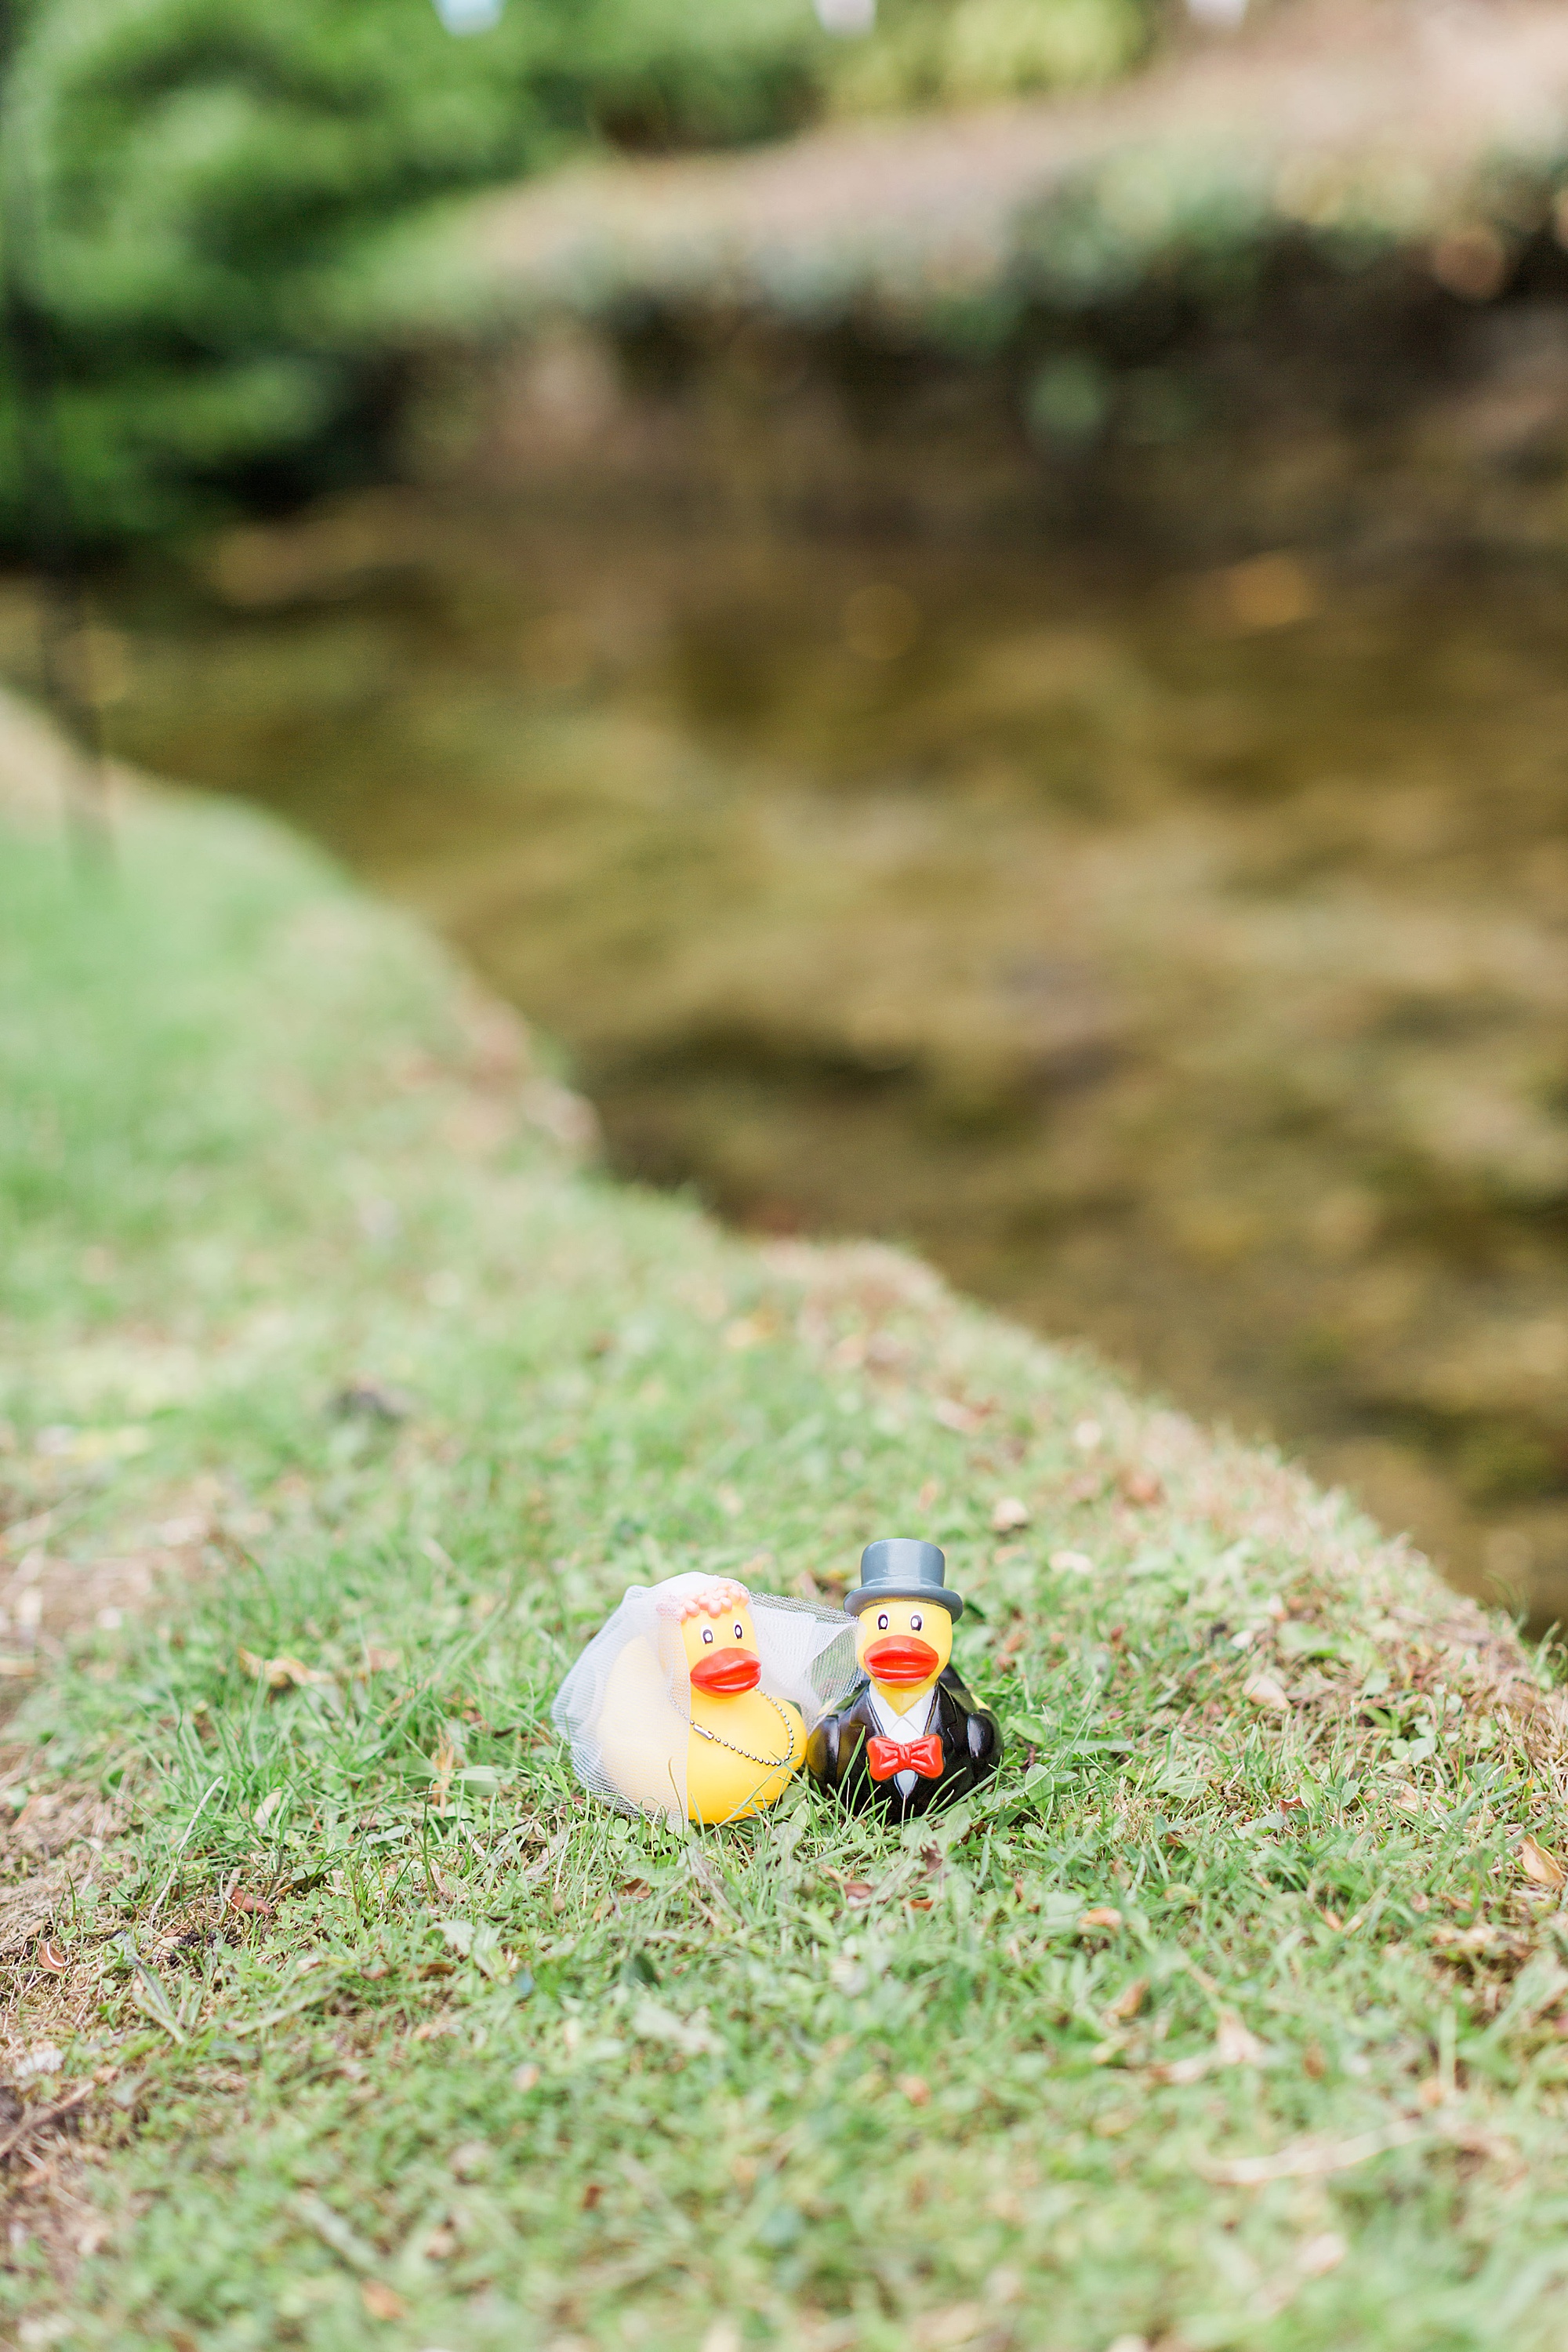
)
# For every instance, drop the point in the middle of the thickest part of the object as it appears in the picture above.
(733, 1747)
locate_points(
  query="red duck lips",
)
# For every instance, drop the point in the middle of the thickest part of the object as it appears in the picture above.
(726, 1673)
(902, 1658)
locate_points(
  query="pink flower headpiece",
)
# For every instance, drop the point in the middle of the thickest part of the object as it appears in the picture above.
(716, 1600)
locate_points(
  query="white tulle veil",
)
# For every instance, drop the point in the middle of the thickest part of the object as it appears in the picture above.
(807, 1654)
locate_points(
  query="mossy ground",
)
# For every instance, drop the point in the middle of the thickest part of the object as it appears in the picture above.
(1221, 2020)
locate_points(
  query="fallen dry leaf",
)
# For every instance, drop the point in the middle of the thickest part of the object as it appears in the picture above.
(1143, 1487)
(250, 1906)
(1009, 1512)
(1182, 2071)
(446, 1761)
(1317, 2256)
(382, 2302)
(1111, 2127)
(1307, 2159)
(52, 1954)
(1263, 1690)
(1018, 1636)
(190, 1527)
(379, 1660)
(1235, 2045)
(916, 2089)
(693, 2036)
(283, 1673)
(751, 1331)
(526, 2077)
(1481, 1938)
(858, 1891)
(1541, 1865)
(1102, 1916)
(1129, 2002)
(962, 1419)
(17, 1670)
(1475, 2139)
(942, 2331)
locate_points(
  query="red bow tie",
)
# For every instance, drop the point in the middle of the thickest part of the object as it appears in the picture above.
(886, 1757)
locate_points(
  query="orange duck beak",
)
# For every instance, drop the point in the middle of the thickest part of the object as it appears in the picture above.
(726, 1673)
(901, 1658)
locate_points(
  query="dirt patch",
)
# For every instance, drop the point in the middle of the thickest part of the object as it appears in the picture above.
(45, 780)
(46, 1597)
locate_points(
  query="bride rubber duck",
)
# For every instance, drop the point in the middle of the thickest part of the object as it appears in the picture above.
(696, 1699)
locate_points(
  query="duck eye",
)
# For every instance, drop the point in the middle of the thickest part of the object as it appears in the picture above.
(708, 1633)
(916, 1621)
(882, 1623)
(739, 1632)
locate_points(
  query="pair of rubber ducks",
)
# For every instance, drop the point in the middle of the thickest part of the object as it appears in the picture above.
(704, 1700)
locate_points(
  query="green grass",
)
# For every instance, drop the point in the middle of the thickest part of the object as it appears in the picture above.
(464, 2062)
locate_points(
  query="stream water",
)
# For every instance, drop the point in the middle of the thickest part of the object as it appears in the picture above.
(1179, 960)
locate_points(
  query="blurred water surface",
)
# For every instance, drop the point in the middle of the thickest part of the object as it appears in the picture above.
(1178, 960)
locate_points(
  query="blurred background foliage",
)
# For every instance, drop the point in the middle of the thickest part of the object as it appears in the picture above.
(191, 185)
(951, 52)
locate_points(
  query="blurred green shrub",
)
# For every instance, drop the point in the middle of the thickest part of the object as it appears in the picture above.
(954, 52)
(190, 185)
(185, 180)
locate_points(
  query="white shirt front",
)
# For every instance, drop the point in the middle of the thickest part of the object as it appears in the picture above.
(913, 1724)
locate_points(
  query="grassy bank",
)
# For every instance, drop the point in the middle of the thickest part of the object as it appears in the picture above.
(338, 1404)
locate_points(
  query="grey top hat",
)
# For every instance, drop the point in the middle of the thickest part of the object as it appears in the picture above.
(901, 1568)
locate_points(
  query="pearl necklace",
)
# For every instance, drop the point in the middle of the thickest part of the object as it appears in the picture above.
(773, 1763)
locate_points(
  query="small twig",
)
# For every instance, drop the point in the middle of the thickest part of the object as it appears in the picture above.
(35, 2123)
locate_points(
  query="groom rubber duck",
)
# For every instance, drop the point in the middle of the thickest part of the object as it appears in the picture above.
(912, 1737)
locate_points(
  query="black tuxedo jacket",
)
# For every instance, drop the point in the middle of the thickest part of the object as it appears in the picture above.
(971, 1747)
